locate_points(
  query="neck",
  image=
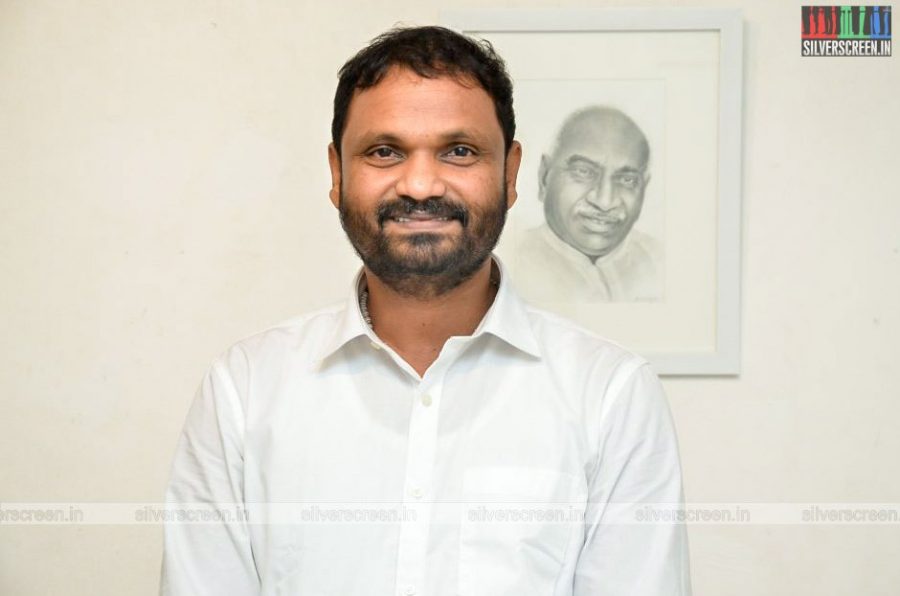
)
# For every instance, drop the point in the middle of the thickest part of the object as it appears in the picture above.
(417, 327)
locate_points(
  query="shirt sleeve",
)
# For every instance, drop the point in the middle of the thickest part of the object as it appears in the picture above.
(638, 470)
(212, 557)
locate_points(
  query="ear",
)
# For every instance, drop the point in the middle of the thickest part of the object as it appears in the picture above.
(513, 161)
(543, 171)
(334, 163)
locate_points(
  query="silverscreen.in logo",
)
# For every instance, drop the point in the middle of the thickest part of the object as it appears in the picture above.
(845, 31)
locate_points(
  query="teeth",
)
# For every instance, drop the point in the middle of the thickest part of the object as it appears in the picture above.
(407, 219)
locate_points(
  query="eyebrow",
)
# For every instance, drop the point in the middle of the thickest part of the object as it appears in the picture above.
(629, 170)
(578, 158)
(380, 139)
(453, 136)
(462, 135)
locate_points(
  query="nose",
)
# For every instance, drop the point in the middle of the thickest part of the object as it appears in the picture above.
(421, 178)
(602, 195)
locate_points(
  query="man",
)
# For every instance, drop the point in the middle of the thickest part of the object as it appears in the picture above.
(371, 440)
(592, 187)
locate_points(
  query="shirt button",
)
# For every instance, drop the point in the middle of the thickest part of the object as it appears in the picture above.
(416, 493)
(410, 590)
(426, 400)
(375, 345)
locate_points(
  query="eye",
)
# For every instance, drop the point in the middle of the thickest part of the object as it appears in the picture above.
(582, 172)
(629, 181)
(461, 154)
(382, 152)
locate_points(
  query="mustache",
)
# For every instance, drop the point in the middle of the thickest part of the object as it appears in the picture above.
(432, 206)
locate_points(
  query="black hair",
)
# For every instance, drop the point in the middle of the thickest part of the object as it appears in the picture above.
(430, 52)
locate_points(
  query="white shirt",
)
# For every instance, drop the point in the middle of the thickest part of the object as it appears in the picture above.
(529, 412)
(551, 270)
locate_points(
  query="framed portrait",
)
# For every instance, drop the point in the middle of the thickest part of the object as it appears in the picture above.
(628, 219)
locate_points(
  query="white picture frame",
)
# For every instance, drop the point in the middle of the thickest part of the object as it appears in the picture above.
(680, 59)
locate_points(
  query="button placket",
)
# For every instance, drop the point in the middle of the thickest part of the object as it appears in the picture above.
(417, 496)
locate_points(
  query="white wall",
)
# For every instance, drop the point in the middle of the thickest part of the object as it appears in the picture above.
(163, 193)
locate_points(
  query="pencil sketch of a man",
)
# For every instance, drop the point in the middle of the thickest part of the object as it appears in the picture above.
(592, 187)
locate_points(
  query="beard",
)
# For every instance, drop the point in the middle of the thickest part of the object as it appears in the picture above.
(426, 264)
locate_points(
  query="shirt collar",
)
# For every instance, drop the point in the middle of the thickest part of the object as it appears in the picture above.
(507, 319)
(350, 323)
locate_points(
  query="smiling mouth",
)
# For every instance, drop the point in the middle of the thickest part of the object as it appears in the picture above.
(409, 219)
(600, 224)
(601, 219)
(434, 213)
(421, 222)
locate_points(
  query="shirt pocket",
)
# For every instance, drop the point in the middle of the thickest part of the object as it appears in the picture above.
(518, 525)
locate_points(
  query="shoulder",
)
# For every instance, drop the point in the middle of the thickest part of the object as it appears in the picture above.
(644, 245)
(533, 239)
(607, 387)
(569, 345)
(298, 338)
(547, 258)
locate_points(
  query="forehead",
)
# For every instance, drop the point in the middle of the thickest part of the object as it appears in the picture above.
(406, 105)
(605, 141)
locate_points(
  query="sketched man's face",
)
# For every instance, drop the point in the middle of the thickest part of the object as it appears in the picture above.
(593, 184)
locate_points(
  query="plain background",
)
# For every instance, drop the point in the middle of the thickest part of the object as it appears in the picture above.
(163, 193)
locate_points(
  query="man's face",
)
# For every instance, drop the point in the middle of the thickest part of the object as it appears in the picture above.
(423, 182)
(593, 185)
